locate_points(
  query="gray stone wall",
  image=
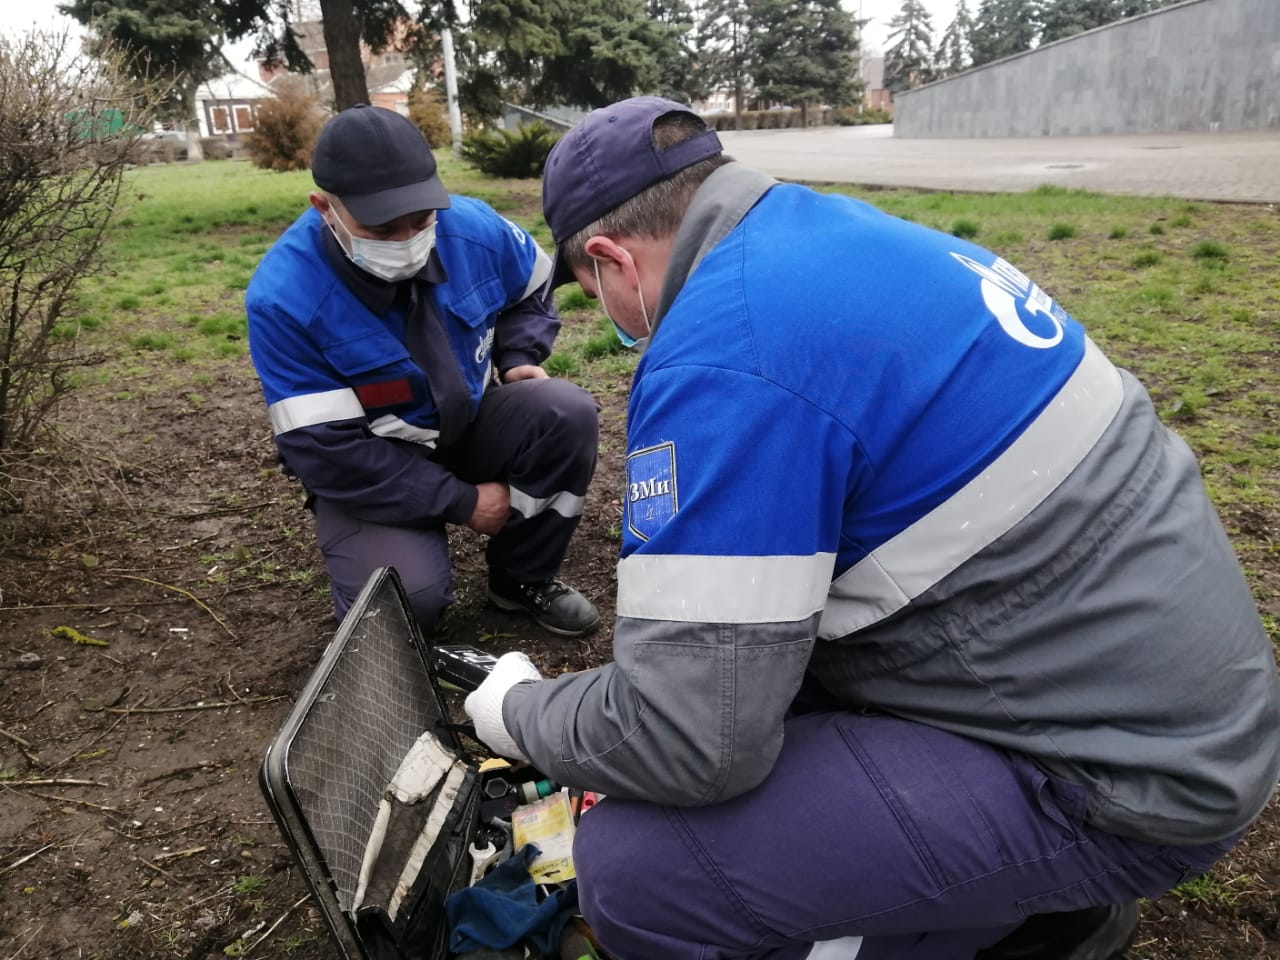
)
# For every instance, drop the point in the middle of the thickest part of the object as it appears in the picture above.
(1203, 65)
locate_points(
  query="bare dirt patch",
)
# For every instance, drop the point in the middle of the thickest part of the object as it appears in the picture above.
(153, 634)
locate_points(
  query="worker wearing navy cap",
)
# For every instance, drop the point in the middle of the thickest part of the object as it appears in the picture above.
(398, 334)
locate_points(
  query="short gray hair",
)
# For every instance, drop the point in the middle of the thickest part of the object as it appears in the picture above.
(655, 212)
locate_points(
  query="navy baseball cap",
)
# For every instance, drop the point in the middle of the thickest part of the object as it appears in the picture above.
(606, 160)
(378, 164)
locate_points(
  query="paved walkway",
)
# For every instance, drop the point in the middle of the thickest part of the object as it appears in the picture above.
(1197, 166)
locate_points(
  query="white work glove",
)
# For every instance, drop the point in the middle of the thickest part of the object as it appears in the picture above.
(484, 704)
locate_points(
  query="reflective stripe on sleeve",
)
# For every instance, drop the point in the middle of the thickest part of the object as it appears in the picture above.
(706, 589)
(310, 409)
(986, 508)
(564, 503)
(389, 426)
(540, 274)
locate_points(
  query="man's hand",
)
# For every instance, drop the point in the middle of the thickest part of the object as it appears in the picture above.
(493, 508)
(484, 704)
(526, 371)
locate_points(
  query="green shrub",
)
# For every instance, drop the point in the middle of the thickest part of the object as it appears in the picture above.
(964, 229)
(518, 154)
(1118, 233)
(285, 131)
(1062, 231)
(852, 117)
(1147, 258)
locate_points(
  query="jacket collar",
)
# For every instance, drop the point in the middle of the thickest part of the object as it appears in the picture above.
(718, 206)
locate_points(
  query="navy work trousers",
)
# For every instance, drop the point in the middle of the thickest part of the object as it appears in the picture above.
(880, 838)
(537, 436)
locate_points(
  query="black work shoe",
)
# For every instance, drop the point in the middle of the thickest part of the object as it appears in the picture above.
(553, 604)
(1098, 933)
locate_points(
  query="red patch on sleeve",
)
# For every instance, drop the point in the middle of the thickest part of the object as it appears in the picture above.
(388, 393)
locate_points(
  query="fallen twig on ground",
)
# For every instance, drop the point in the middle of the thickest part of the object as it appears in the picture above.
(81, 803)
(17, 953)
(168, 774)
(189, 595)
(271, 929)
(249, 701)
(177, 854)
(15, 738)
(30, 856)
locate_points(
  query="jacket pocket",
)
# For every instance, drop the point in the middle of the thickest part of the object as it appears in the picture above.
(477, 305)
(354, 357)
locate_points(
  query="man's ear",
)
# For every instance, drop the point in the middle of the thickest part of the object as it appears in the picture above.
(604, 250)
(601, 247)
(319, 201)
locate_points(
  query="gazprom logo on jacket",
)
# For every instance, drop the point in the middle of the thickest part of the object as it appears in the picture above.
(517, 232)
(485, 345)
(1024, 311)
(651, 489)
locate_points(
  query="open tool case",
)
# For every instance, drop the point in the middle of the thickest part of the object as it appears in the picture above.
(370, 787)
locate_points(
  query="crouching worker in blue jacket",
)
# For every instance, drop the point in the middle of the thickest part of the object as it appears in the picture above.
(398, 333)
(930, 644)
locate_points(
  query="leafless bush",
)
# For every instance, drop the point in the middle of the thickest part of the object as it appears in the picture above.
(68, 124)
(285, 130)
(428, 111)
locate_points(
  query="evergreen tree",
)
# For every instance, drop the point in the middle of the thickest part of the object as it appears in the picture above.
(955, 49)
(610, 50)
(182, 39)
(909, 60)
(501, 51)
(677, 76)
(1065, 18)
(1003, 28)
(1131, 8)
(724, 38)
(803, 53)
(582, 53)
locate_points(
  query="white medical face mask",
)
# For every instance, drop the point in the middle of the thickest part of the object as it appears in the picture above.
(389, 260)
(626, 339)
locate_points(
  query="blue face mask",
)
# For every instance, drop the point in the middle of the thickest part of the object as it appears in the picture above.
(626, 339)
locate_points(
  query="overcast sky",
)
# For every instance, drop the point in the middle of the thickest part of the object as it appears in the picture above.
(19, 15)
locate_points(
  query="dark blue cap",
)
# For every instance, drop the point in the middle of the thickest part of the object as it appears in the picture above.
(378, 164)
(607, 159)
